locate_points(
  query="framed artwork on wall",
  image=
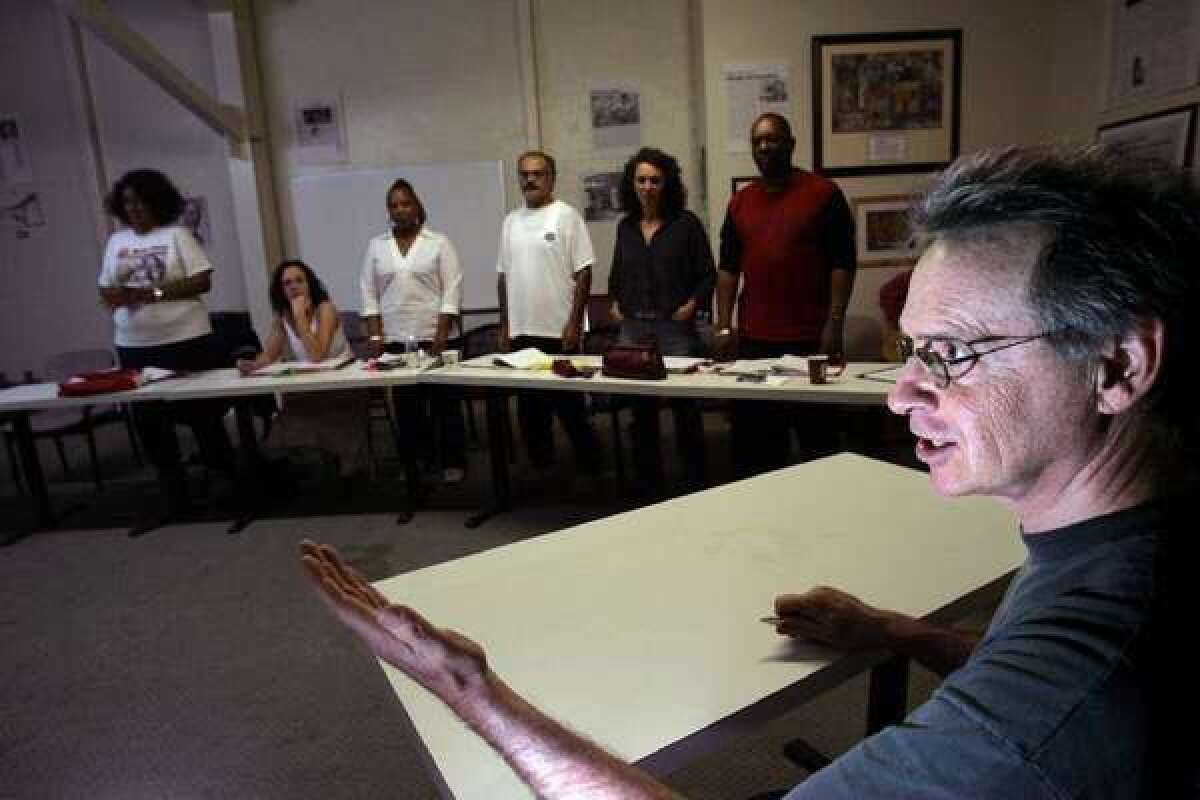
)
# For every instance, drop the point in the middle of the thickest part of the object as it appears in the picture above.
(883, 237)
(886, 103)
(740, 182)
(1168, 136)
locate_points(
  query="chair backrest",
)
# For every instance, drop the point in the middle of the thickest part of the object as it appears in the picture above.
(235, 332)
(481, 340)
(61, 366)
(355, 330)
(863, 338)
(599, 339)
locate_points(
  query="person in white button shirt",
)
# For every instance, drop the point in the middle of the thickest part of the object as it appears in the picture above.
(411, 289)
(545, 277)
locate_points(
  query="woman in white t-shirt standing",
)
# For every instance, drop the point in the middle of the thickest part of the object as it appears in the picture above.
(307, 323)
(152, 278)
(411, 287)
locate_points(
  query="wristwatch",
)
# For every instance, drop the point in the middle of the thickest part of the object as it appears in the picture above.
(725, 332)
(158, 294)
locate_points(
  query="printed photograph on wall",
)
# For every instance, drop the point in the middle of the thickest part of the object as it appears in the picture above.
(739, 182)
(616, 118)
(750, 90)
(1154, 49)
(318, 127)
(885, 102)
(883, 235)
(1168, 136)
(602, 193)
(195, 218)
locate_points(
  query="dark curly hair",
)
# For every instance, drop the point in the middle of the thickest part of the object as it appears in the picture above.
(674, 196)
(400, 183)
(316, 289)
(154, 189)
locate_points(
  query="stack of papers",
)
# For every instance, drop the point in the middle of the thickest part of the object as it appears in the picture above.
(303, 367)
(152, 374)
(791, 365)
(747, 366)
(529, 358)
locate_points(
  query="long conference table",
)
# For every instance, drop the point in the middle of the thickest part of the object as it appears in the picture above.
(17, 403)
(641, 630)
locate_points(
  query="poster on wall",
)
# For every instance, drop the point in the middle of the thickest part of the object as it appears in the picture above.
(602, 193)
(1155, 48)
(195, 218)
(15, 166)
(616, 118)
(20, 213)
(750, 90)
(319, 134)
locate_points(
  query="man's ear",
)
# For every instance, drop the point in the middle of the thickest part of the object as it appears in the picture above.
(1130, 366)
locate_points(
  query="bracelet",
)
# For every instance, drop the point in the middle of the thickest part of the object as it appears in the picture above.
(375, 338)
(725, 332)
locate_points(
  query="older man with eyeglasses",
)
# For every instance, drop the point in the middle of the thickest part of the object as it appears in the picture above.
(1050, 329)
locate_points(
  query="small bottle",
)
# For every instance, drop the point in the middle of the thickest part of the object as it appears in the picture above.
(4, 384)
(411, 354)
(29, 376)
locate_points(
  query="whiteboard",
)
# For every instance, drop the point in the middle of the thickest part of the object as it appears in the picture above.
(338, 213)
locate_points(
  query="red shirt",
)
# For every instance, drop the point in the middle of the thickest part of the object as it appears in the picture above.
(785, 244)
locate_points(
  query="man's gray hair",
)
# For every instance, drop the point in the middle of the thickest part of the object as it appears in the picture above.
(1122, 237)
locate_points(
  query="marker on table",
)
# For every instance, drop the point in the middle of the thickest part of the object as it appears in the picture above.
(772, 620)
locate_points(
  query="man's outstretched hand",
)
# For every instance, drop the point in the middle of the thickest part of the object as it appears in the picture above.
(444, 662)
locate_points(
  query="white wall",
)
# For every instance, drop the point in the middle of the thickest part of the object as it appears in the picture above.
(1008, 52)
(47, 281)
(450, 82)
(48, 302)
(141, 126)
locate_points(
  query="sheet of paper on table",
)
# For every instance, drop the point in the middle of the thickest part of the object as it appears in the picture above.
(746, 366)
(529, 358)
(683, 363)
(303, 367)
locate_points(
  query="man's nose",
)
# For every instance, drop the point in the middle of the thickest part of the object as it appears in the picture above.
(913, 390)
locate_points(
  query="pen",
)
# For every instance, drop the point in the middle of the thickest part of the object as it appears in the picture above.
(772, 620)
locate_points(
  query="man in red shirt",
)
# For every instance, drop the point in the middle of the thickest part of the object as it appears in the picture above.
(789, 238)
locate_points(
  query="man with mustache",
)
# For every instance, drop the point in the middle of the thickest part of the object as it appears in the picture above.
(545, 278)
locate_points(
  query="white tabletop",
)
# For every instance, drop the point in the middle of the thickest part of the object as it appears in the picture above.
(39, 396)
(231, 383)
(848, 388)
(642, 630)
(214, 383)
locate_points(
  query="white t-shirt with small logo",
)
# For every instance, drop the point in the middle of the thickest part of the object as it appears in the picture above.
(541, 249)
(162, 256)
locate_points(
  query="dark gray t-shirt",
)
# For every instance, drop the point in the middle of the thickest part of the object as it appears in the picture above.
(1056, 701)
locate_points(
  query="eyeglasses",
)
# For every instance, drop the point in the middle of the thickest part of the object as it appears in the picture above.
(949, 359)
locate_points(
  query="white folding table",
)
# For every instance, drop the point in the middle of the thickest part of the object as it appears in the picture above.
(642, 631)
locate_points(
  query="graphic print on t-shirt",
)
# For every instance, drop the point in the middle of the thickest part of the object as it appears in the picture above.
(142, 266)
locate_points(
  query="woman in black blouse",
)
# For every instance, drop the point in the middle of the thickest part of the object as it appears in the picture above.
(662, 275)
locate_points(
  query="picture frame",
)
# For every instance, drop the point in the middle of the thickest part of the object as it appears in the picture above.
(882, 235)
(1168, 136)
(886, 103)
(740, 182)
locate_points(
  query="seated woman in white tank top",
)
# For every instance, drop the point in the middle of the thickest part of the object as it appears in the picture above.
(307, 322)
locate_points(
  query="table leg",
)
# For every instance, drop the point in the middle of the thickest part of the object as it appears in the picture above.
(251, 492)
(497, 415)
(31, 466)
(887, 696)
